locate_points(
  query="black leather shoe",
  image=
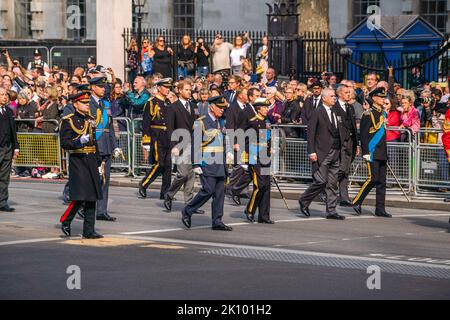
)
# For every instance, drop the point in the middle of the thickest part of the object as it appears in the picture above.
(93, 235)
(106, 217)
(198, 211)
(65, 228)
(7, 208)
(222, 227)
(304, 210)
(266, 221)
(249, 217)
(142, 191)
(236, 200)
(186, 219)
(383, 214)
(335, 216)
(168, 203)
(346, 204)
(358, 210)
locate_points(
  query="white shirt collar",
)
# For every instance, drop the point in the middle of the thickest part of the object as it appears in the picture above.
(96, 99)
(241, 105)
(183, 101)
(212, 116)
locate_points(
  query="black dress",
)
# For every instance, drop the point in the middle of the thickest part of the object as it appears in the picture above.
(162, 62)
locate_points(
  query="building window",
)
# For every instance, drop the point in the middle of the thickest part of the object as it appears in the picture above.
(184, 15)
(76, 19)
(23, 17)
(360, 9)
(435, 12)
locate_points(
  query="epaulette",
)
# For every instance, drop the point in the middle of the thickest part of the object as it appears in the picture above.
(68, 116)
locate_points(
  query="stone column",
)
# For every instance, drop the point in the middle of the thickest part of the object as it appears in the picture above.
(112, 17)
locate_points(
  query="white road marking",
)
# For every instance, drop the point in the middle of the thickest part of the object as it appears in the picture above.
(8, 243)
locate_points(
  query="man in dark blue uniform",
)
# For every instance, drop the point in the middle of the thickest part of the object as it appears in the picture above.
(209, 164)
(155, 139)
(374, 150)
(78, 138)
(106, 140)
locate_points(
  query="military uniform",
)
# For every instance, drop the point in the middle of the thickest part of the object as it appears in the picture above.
(155, 136)
(259, 168)
(84, 160)
(446, 140)
(212, 162)
(373, 144)
(107, 144)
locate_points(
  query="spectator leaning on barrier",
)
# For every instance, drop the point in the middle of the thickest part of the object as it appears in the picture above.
(410, 116)
(25, 111)
(393, 120)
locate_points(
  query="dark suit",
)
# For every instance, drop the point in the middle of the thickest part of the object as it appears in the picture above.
(308, 108)
(8, 143)
(349, 145)
(178, 117)
(212, 162)
(230, 94)
(325, 141)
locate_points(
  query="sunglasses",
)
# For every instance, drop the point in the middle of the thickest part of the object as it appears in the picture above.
(161, 40)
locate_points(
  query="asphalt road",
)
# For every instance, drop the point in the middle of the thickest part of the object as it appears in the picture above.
(147, 254)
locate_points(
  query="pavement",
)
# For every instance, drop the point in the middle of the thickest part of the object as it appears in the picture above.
(148, 254)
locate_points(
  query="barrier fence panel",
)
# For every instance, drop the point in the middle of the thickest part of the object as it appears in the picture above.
(140, 156)
(71, 57)
(432, 166)
(25, 54)
(38, 149)
(122, 128)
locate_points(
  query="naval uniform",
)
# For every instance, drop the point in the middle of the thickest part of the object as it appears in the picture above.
(259, 169)
(373, 142)
(154, 131)
(212, 162)
(84, 178)
(106, 140)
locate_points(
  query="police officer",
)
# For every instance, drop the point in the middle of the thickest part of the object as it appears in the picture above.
(374, 150)
(78, 138)
(106, 140)
(258, 150)
(155, 139)
(209, 164)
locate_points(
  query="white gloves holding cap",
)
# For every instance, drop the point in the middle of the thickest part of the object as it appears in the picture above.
(146, 147)
(366, 157)
(198, 171)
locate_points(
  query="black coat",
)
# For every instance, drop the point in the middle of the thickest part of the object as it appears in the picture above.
(12, 134)
(349, 130)
(320, 132)
(308, 108)
(84, 177)
(26, 112)
(235, 117)
(179, 118)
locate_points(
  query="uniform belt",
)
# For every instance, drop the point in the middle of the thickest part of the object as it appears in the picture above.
(212, 149)
(158, 127)
(84, 150)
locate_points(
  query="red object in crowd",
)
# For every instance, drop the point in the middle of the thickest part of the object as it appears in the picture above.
(394, 120)
(446, 135)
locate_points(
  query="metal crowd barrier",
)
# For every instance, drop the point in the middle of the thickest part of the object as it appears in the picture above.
(431, 164)
(291, 158)
(38, 149)
(123, 130)
(140, 157)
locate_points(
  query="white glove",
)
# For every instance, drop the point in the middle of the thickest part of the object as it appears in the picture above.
(100, 171)
(366, 157)
(230, 158)
(117, 152)
(84, 138)
(198, 171)
(244, 166)
(146, 147)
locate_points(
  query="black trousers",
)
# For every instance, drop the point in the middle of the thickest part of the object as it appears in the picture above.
(89, 215)
(377, 178)
(260, 198)
(324, 178)
(239, 180)
(161, 165)
(6, 154)
(102, 205)
(345, 165)
(212, 187)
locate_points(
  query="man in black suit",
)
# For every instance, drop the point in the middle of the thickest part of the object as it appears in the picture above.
(312, 103)
(324, 148)
(180, 120)
(243, 178)
(346, 113)
(9, 148)
(233, 85)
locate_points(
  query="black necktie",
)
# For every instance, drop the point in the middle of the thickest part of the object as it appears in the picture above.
(187, 107)
(232, 96)
(315, 103)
